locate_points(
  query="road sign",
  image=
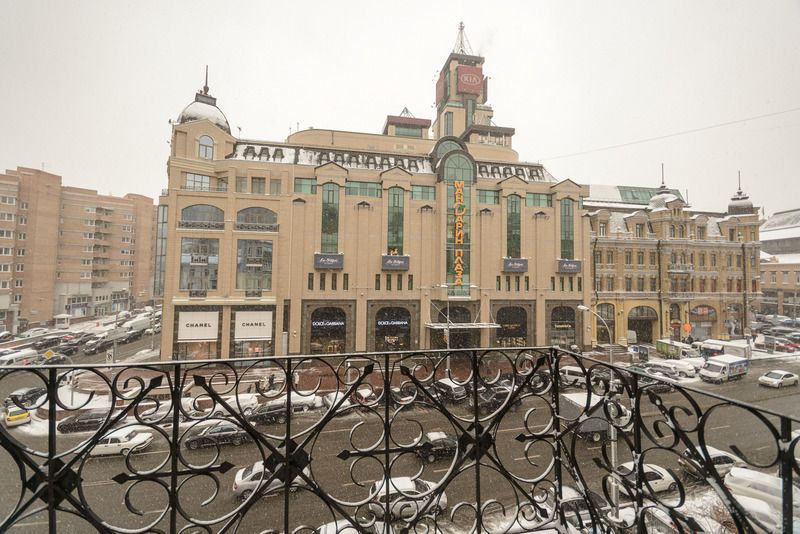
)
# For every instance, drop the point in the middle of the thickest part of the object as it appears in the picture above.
(109, 356)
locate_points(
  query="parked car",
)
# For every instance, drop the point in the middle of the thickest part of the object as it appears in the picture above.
(268, 413)
(406, 498)
(15, 416)
(47, 342)
(490, 400)
(449, 390)
(651, 380)
(53, 359)
(334, 397)
(576, 510)
(765, 487)
(656, 476)
(364, 396)
(122, 441)
(133, 335)
(66, 349)
(436, 445)
(222, 433)
(155, 329)
(76, 338)
(778, 379)
(722, 461)
(251, 478)
(572, 376)
(677, 368)
(5, 335)
(81, 422)
(25, 397)
(96, 345)
(424, 396)
(33, 332)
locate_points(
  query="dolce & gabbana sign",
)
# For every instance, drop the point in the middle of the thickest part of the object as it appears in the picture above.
(328, 261)
(253, 325)
(198, 326)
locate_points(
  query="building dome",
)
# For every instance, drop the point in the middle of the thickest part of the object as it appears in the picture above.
(740, 204)
(204, 107)
(662, 197)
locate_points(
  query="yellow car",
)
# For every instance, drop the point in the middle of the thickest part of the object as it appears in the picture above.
(17, 416)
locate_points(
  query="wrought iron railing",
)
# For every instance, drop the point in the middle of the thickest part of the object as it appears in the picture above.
(498, 448)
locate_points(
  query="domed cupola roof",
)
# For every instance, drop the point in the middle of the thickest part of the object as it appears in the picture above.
(740, 203)
(204, 107)
(662, 197)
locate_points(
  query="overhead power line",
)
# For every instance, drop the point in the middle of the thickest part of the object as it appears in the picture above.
(676, 134)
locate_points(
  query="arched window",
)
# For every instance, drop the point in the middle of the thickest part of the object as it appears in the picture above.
(202, 216)
(330, 218)
(206, 147)
(513, 233)
(672, 231)
(680, 231)
(257, 215)
(394, 238)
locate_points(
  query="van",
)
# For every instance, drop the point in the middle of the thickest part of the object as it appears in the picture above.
(21, 357)
(768, 488)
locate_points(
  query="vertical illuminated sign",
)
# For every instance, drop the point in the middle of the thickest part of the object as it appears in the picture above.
(459, 174)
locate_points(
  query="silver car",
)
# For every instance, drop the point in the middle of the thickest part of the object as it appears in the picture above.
(406, 498)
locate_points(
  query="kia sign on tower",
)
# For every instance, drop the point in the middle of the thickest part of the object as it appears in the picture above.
(198, 326)
(470, 80)
(253, 325)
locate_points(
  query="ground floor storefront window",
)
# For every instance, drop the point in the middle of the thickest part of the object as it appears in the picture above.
(252, 331)
(392, 329)
(562, 326)
(703, 319)
(455, 337)
(328, 330)
(606, 311)
(197, 333)
(641, 320)
(513, 331)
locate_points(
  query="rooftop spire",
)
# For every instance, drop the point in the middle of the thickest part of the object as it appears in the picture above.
(205, 87)
(462, 45)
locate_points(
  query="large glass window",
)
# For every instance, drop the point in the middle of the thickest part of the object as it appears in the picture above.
(513, 331)
(305, 185)
(448, 123)
(541, 200)
(258, 219)
(423, 192)
(513, 227)
(275, 186)
(328, 330)
(330, 218)
(485, 196)
(197, 182)
(567, 229)
(254, 265)
(395, 229)
(199, 263)
(202, 213)
(392, 329)
(206, 147)
(161, 251)
(363, 189)
(258, 186)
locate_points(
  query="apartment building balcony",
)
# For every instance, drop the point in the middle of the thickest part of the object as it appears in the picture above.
(680, 268)
(510, 455)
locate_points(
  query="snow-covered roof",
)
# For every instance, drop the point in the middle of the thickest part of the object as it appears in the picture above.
(780, 233)
(781, 258)
(783, 219)
(197, 111)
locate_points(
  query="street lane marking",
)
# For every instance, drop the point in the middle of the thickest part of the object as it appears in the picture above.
(719, 427)
(525, 458)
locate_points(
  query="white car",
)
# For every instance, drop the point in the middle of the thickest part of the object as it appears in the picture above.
(249, 479)
(722, 461)
(762, 486)
(344, 526)
(681, 368)
(778, 379)
(656, 476)
(329, 399)
(406, 498)
(122, 441)
(572, 375)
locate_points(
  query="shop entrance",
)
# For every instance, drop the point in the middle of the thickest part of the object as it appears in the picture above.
(513, 322)
(562, 327)
(328, 330)
(641, 320)
(392, 329)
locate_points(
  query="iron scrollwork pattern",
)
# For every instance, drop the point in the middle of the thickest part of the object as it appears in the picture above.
(483, 440)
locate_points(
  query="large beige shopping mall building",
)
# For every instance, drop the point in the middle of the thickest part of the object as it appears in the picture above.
(336, 241)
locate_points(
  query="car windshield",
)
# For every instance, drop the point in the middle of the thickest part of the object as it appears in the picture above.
(773, 374)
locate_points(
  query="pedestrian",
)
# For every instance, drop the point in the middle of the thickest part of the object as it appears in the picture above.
(689, 340)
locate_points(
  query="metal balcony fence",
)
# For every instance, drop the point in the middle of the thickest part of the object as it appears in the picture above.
(471, 441)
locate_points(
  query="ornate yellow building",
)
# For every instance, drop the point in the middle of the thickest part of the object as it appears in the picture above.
(337, 241)
(662, 270)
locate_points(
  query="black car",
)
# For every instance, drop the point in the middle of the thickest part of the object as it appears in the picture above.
(652, 380)
(76, 339)
(220, 434)
(268, 414)
(424, 395)
(436, 445)
(95, 346)
(66, 348)
(47, 342)
(91, 420)
(25, 397)
(133, 335)
(490, 400)
(55, 359)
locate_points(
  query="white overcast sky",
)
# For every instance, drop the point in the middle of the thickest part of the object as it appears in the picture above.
(88, 87)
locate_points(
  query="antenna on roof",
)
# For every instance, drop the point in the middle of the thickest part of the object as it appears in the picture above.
(662, 175)
(462, 45)
(205, 87)
(406, 113)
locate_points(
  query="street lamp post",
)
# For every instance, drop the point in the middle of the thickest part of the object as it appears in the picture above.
(612, 430)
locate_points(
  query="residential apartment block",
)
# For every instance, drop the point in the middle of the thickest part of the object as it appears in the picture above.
(68, 250)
